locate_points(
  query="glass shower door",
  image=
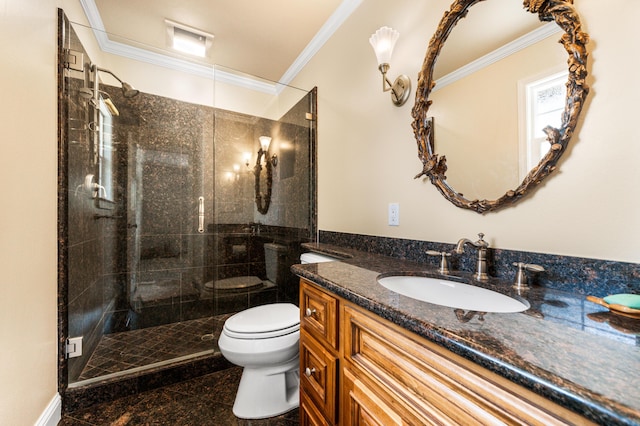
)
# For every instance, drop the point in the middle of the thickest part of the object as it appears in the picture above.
(136, 228)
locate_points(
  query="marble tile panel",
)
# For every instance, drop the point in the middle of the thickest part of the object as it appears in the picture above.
(206, 400)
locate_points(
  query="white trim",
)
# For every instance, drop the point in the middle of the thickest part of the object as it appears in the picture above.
(52, 413)
(510, 48)
(106, 45)
(334, 22)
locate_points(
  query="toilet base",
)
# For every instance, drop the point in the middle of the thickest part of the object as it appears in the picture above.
(268, 392)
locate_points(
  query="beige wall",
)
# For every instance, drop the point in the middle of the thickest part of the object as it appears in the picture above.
(368, 156)
(28, 182)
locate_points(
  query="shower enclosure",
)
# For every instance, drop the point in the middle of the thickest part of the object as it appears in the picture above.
(161, 237)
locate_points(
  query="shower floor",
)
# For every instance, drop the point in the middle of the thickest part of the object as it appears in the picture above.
(127, 350)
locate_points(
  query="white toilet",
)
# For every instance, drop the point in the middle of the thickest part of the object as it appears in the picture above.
(265, 341)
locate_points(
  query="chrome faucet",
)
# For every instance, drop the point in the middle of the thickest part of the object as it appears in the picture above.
(481, 245)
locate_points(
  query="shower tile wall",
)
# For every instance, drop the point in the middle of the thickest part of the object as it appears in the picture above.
(240, 230)
(292, 189)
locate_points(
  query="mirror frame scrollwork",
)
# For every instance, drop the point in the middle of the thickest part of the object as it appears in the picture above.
(263, 201)
(574, 41)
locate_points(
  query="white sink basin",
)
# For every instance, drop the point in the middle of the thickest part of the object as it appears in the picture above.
(452, 294)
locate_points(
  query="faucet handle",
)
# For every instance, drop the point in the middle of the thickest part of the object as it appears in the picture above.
(529, 266)
(444, 264)
(481, 242)
(521, 281)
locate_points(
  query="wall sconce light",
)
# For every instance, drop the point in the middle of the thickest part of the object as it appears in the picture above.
(247, 158)
(265, 141)
(383, 42)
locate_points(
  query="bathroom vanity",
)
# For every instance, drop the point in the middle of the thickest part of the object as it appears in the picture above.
(371, 356)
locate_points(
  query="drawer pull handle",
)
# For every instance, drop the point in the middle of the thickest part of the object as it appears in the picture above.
(309, 312)
(309, 371)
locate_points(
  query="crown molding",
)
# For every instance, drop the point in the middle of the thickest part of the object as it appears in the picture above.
(334, 22)
(210, 71)
(510, 48)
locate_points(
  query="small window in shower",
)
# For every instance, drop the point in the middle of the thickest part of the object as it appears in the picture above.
(105, 155)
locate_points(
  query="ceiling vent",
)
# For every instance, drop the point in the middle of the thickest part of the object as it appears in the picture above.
(185, 39)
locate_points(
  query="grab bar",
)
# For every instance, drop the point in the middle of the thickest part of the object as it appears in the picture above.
(201, 215)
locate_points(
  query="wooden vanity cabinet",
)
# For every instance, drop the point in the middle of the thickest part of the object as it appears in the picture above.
(319, 353)
(389, 376)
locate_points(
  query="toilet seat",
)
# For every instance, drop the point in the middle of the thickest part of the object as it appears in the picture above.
(264, 322)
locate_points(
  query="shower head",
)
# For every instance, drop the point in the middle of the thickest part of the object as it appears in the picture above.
(127, 90)
(86, 93)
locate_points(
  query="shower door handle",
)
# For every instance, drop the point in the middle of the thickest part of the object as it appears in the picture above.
(201, 215)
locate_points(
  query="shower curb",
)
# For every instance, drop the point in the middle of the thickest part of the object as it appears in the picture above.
(83, 397)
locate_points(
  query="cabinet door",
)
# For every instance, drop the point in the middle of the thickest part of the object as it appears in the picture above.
(319, 314)
(361, 406)
(436, 385)
(309, 414)
(318, 376)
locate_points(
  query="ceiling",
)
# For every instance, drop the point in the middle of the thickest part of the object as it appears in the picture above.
(273, 40)
(260, 38)
(488, 26)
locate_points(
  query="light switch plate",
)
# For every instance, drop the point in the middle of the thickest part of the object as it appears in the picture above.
(394, 214)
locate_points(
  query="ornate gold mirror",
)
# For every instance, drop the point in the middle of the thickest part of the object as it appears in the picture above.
(435, 166)
(263, 200)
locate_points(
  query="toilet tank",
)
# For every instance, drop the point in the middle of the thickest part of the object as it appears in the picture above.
(274, 254)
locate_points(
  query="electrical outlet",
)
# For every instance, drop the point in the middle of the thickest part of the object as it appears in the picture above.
(394, 214)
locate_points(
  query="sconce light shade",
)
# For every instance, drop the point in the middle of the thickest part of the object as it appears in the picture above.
(383, 42)
(265, 141)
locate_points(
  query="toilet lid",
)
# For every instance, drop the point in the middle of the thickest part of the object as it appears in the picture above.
(264, 321)
(315, 258)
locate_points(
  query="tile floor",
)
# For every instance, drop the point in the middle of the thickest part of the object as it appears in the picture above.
(119, 352)
(203, 401)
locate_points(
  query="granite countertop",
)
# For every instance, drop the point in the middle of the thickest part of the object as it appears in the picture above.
(565, 348)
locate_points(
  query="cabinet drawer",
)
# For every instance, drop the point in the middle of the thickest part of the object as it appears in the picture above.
(318, 376)
(436, 385)
(309, 414)
(318, 311)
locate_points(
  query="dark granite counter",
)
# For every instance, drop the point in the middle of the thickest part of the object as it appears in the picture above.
(564, 348)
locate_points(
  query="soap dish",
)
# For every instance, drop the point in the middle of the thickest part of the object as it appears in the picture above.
(620, 304)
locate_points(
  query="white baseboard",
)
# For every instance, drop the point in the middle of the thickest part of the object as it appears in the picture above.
(52, 414)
